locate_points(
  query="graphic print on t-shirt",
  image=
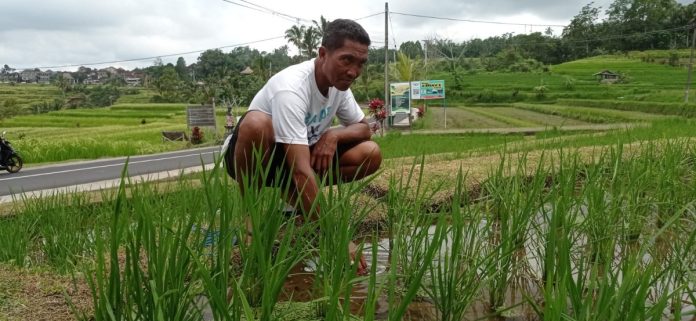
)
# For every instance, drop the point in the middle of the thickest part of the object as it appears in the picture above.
(313, 123)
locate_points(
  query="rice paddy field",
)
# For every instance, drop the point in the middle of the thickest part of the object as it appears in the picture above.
(544, 217)
(119, 130)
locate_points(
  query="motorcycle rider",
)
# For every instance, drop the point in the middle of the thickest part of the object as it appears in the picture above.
(4, 152)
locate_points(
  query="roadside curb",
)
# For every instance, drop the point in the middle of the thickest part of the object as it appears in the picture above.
(105, 184)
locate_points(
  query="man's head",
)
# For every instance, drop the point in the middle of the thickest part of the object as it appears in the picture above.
(343, 52)
(339, 30)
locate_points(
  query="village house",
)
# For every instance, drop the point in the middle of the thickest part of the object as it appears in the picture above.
(607, 76)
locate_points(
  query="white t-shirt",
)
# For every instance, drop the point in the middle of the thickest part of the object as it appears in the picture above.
(300, 113)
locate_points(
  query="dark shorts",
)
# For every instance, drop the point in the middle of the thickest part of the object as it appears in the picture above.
(277, 166)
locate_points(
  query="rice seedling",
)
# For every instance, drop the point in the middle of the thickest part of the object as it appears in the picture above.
(512, 202)
(457, 275)
(336, 271)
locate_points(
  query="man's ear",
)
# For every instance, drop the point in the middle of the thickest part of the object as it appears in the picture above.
(322, 51)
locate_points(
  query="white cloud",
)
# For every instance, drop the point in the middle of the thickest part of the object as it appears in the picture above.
(40, 33)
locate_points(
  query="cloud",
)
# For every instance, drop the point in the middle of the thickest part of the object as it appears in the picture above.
(38, 33)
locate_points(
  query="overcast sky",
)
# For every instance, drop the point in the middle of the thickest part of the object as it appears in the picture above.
(52, 33)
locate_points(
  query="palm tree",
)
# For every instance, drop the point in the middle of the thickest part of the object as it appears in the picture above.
(405, 68)
(321, 25)
(310, 41)
(295, 35)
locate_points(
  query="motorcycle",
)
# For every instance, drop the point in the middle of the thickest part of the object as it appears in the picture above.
(9, 159)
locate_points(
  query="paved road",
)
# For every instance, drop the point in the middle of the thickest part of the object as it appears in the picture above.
(97, 174)
(82, 175)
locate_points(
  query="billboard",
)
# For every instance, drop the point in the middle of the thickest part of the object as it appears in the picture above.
(428, 89)
(400, 100)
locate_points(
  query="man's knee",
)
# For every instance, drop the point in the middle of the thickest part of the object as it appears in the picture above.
(256, 127)
(367, 156)
(373, 158)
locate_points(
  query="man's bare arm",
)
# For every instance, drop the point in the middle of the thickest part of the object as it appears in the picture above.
(303, 177)
(325, 148)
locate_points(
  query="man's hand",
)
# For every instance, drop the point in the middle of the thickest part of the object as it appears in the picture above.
(355, 256)
(323, 153)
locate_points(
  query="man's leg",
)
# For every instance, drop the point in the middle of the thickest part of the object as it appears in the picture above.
(359, 161)
(255, 136)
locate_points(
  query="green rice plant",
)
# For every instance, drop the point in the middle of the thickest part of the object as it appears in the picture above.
(158, 261)
(56, 231)
(558, 235)
(592, 115)
(146, 269)
(413, 240)
(17, 235)
(221, 288)
(512, 202)
(336, 270)
(396, 145)
(276, 243)
(104, 280)
(663, 108)
(595, 268)
(374, 289)
(457, 275)
(428, 241)
(515, 122)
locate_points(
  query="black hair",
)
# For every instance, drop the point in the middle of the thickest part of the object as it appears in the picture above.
(339, 30)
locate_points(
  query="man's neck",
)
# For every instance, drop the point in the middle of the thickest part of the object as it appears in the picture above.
(320, 79)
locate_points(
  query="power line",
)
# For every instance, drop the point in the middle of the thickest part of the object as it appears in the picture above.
(476, 21)
(369, 16)
(267, 11)
(277, 12)
(154, 57)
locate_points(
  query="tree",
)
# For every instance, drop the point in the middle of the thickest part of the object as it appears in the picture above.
(295, 35)
(321, 25)
(582, 28)
(405, 68)
(101, 96)
(412, 49)
(62, 83)
(168, 84)
(639, 19)
(310, 41)
(6, 70)
(181, 68)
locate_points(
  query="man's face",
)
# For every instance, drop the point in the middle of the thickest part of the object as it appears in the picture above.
(343, 65)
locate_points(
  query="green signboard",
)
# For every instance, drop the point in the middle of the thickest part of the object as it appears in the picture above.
(428, 89)
(400, 100)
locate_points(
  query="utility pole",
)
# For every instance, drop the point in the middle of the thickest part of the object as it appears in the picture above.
(691, 61)
(425, 45)
(386, 62)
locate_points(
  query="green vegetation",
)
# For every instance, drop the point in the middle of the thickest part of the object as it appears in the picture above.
(555, 225)
(591, 115)
(559, 234)
(399, 145)
(120, 130)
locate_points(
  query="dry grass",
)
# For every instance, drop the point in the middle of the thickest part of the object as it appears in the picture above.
(40, 295)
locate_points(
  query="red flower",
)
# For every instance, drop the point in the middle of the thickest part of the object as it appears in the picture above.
(381, 115)
(376, 104)
(377, 109)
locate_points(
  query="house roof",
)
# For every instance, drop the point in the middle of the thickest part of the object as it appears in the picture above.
(247, 71)
(606, 72)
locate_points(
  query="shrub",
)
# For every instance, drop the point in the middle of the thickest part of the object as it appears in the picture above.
(102, 96)
(569, 82)
(673, 58)
(540, 91)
